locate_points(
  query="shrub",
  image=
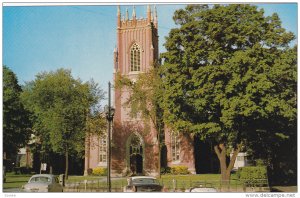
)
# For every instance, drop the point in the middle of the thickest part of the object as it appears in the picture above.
(25, 170)
(100, 171)
(180, 170)
(89, 171)
(165, 170)
(253, 174)
(260, 162)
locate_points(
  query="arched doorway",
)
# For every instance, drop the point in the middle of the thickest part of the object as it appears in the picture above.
(136, 164)
(135, 152)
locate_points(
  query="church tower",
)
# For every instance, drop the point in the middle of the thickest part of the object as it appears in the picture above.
(134, 145)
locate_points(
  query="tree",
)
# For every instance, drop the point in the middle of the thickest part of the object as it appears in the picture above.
(60, 105)
(145, 95)
(16, 122)
(221, 77)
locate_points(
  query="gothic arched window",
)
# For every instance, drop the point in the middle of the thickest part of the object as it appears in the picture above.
(102, 149)
(175, 147)
(135, 58)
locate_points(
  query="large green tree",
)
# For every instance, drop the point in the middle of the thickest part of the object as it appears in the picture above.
(229, 76)
(15, 118)
(61, 105)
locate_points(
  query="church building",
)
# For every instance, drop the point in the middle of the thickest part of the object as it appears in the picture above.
(135, 146)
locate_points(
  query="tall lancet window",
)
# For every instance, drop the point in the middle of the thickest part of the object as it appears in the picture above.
(175, 147)
(135, 58)
(102, 149)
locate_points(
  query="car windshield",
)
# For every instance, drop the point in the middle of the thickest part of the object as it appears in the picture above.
(144, 181)
(40, 179)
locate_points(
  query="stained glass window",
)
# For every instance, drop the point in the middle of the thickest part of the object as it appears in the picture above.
(103, 149)
(175, 147)
(135, 58)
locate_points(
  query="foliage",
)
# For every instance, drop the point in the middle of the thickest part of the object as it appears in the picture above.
(89, 171)
(179, 170)
(145, 92)
(252, 173)
(230, 76)
(60, 105)
(175, 170)
(100, 171)
(165, 170)
(144, 99)
(16, 122)
(260, 162)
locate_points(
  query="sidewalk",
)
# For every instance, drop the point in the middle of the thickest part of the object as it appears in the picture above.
(284, 189)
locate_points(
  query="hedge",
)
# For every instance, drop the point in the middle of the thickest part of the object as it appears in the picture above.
(252, 173)
(100, 171)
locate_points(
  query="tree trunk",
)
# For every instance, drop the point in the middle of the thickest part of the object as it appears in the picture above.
(67, 163)
(159, 154)
(221, 153)
(226, 170)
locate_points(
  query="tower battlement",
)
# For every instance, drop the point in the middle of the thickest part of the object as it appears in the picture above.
(124, 22)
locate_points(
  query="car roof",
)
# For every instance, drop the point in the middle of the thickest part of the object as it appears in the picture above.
(43, 175)
(142, 177)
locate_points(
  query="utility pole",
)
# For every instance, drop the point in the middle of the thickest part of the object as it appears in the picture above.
(109, 116)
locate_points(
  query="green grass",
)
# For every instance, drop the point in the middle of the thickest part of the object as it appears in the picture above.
(15, 181)
(182, 181)
(192, 177)
(187, 181)
(75, 178)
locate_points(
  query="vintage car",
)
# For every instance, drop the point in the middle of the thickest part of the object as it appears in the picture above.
(142, 184)
(42, 183)
(206, 188)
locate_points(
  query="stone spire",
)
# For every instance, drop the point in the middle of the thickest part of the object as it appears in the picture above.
(148, 14)
(126, 16)
(133, 13)
(119, 11)
(155, 17)
(119, 17)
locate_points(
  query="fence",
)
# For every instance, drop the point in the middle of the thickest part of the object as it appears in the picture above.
(220, 186)
(173, 185)
(94, 186)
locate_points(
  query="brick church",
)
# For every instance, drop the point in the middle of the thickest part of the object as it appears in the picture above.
(135, 145)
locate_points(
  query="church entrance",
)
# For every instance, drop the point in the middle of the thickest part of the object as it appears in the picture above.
(136, 154)
(136, 164)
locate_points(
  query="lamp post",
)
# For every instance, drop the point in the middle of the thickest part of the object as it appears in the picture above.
(109, 111)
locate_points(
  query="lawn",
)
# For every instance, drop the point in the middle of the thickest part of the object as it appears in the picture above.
(187, 181)
(78, 178)
(15, 181)
(169, 181)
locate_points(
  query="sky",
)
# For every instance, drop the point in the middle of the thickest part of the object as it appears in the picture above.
(83, 38)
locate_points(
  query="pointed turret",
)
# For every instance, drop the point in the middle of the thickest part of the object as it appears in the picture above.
(148, 14)
(155, 17)
(115, 59)
(119, 17)
(126, 16)
(133, 13)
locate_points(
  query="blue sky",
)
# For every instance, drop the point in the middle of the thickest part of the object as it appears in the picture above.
(83, 38)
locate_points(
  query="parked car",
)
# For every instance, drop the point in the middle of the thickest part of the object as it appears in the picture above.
(142, 184)
(42, 183)
(207, 188)
(4, 174)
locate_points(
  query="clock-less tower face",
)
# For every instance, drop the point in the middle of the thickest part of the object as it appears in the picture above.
(135, 53)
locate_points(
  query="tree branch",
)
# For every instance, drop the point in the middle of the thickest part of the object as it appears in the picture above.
(216, 147)
(233, 158)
